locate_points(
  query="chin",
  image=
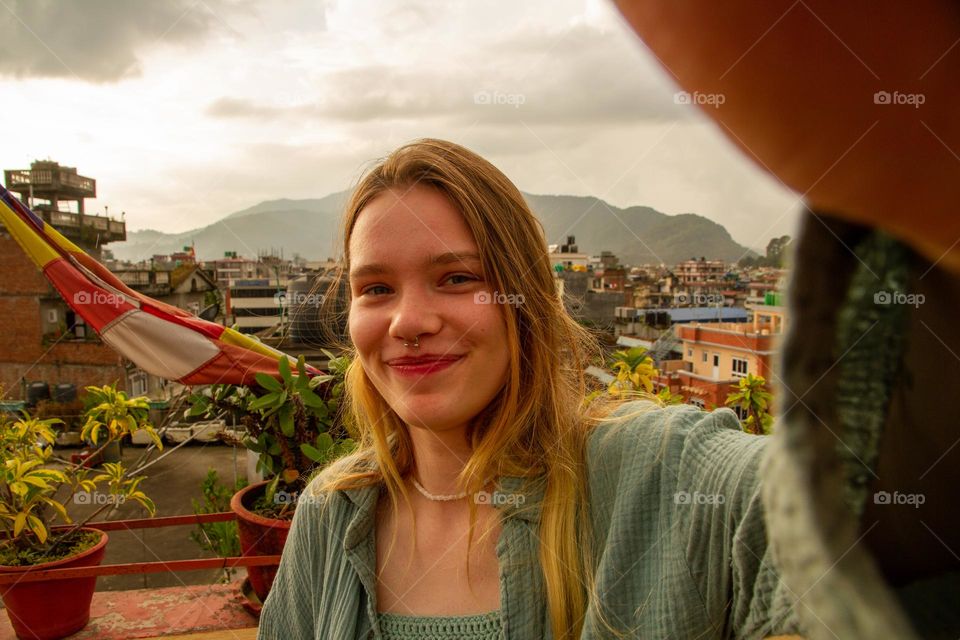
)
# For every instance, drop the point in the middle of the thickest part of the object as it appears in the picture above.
(428, 416)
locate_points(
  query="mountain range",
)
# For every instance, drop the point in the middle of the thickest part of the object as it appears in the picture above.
(310, 228)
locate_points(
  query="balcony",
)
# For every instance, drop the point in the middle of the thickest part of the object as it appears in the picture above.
(84, 227)
(48, 178)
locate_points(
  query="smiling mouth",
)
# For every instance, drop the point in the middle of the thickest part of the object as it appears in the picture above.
(422, 366)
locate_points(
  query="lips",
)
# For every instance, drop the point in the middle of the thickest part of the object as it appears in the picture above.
(422, 365)
(423, 359)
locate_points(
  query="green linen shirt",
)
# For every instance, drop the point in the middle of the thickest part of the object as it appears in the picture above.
(679, 532)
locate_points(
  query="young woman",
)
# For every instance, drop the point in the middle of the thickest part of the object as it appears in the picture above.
(486, 498)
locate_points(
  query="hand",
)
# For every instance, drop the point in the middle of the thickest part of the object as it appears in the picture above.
(799, 83)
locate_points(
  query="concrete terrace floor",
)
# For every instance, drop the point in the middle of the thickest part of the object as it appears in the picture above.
(172, 483)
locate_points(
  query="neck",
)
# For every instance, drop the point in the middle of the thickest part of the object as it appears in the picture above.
(439, 457)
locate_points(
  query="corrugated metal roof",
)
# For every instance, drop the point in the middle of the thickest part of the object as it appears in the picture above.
(705, 314)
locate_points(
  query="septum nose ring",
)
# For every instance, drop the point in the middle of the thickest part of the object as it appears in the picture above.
(415, 345)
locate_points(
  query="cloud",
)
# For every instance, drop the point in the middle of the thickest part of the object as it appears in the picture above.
(578, 74)
(96, 40)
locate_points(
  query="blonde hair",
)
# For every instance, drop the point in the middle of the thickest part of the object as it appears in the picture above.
(538, 422)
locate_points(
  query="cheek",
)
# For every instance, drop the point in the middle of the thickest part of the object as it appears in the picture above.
(491, 330)
(365, 330)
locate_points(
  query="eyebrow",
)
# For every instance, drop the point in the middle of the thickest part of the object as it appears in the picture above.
(377, 268)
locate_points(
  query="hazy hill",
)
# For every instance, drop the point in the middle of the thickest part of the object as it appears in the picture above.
(310, 227)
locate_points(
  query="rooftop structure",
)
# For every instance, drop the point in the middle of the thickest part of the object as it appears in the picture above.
(52, 185)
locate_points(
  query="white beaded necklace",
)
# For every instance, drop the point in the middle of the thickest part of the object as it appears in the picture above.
(429, 496)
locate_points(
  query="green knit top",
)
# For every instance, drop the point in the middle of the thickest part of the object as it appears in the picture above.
(481, 626)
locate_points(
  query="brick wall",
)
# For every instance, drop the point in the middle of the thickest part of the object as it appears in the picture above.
(22, 352)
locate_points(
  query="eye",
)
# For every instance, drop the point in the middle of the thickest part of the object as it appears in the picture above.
(370, 289)
(468, 276)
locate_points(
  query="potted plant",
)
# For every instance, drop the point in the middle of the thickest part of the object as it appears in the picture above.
(292, 425)
(33, 495)
(111, 414)
(70, 412)
(220, 538)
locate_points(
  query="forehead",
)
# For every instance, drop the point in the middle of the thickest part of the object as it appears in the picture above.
(401, 224)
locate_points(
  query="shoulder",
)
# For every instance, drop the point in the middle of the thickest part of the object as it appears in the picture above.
(644, 426)
(318, 505)
(642, 445)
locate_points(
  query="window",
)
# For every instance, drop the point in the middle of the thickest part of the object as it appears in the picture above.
(690, 352)
(739, 368)
(704, 356)
(137, 383)
(76, 328)
(716, 360)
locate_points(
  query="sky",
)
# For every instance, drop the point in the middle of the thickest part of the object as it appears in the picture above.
(187, 110)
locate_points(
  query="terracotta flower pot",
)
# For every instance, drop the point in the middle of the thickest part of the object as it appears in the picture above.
(51, 609)
(259, 536)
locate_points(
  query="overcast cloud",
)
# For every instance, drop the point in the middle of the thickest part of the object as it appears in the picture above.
(185, 111)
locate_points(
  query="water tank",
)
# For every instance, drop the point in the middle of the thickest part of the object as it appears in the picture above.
(37, 391)
(304, 299)
(65, 392)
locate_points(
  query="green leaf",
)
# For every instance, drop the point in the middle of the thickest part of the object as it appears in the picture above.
(199, 407)
(316, 381)
(303, 381)
(271, 489)
(286, 420)
(19, 523)
(38, 482)
(145, 502)
(274, 449)
(36, 525)
(59, 508)
(284, 366)
(324, 441)
(264, 401)
(311, 399)
(268, 382)
(311, 452)
(321, 412)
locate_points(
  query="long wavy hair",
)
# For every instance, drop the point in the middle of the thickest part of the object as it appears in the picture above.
(537, 424)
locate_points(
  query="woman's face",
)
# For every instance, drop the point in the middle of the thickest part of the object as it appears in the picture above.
(415, 271)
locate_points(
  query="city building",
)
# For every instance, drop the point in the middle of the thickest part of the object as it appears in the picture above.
(43, 339)
(183, 285)
(585, 304)
(631, 321)
(255, 304)
(717, 355)
(567, 255)
(700, 274)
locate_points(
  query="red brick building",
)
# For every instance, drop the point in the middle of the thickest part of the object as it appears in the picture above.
(41, 338)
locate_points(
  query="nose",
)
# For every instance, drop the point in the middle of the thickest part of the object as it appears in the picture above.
(414, 314)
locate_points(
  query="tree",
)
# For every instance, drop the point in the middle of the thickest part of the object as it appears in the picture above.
(776, 251)
(753, 398)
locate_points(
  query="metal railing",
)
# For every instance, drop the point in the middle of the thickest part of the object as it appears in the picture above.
(159, 566)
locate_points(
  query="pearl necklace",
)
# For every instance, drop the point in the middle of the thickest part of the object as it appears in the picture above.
(429, 496)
